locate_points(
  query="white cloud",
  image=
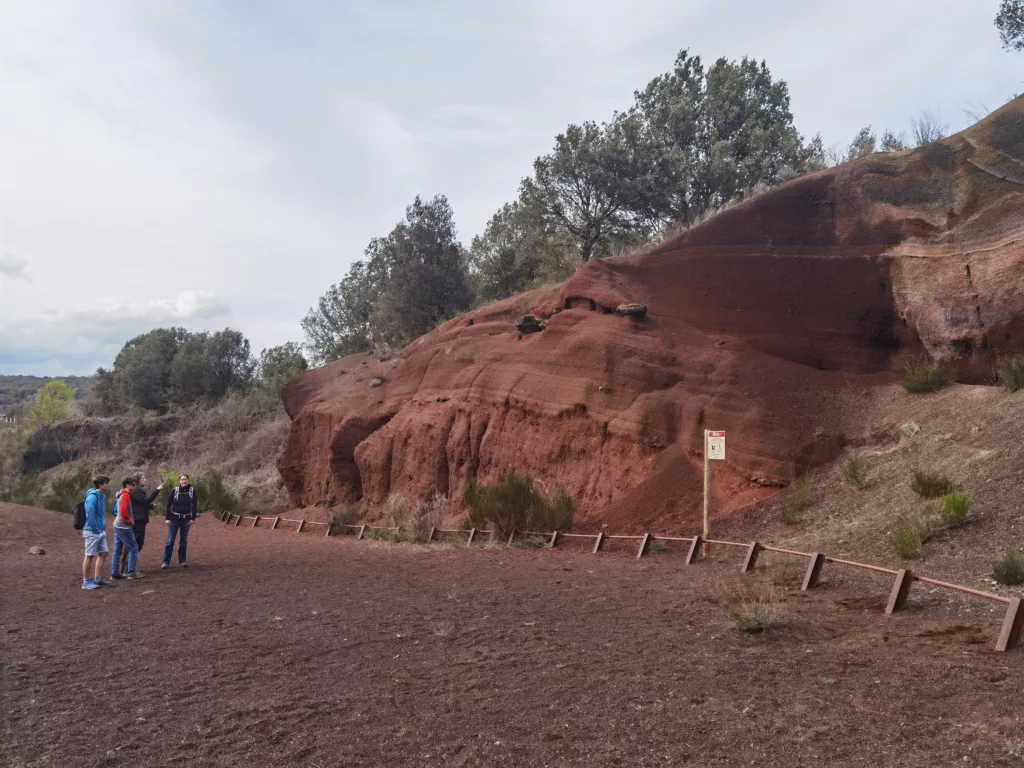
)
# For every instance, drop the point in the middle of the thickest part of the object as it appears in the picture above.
(13, 267)
(247, 152)
(95, 333)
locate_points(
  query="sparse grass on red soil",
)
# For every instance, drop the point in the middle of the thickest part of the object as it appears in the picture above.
(277, 648)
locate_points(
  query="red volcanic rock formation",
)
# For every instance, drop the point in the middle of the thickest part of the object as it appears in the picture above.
(769, 321)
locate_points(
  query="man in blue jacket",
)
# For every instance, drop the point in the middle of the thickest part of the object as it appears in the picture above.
(95, 534)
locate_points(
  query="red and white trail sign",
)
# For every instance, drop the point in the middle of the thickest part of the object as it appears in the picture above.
(714, 450)
(716, 446)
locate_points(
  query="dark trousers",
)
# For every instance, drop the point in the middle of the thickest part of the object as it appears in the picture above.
(140, 538)
(179, 525)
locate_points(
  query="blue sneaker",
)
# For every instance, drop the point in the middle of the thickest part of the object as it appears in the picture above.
(89, 584)
(101, 582)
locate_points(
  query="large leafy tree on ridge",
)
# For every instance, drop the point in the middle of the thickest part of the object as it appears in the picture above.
(411, 280)
(1010, 23)
(693, 141)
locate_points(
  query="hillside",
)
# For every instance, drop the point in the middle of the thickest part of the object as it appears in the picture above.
(21, 389)
(777, 321)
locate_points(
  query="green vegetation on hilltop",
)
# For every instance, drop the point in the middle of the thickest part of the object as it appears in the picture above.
(17, 392)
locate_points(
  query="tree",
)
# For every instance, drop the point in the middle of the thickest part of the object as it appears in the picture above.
(278, 365)
(927, 128)
(208, 365)
(597, 183)
(1010, 23)
(340, 324)
(425, 276)
(52, 404)
(893, 142)
(718, 135)
(411, 279)
(142, 369)
(864, 143)
(519, 249)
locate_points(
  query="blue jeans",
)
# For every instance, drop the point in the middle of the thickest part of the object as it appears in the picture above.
(124, 538)
(177, 524)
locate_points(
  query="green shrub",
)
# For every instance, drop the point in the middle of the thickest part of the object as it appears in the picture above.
(555, 515)
(413, 519)
(921, 376)
(341, 519)
(1009, 569)
(66, 492)
(1011, 373)
(931, 485)
(796, 497)
(213, 495)
(22, 489)
(757, 616)
(954, 507)
(908, 539)
(855, 472)
(514, 504)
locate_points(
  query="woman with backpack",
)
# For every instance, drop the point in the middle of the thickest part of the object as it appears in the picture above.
(182, 508)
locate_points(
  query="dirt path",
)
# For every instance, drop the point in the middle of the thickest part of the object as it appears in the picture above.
(283, 649)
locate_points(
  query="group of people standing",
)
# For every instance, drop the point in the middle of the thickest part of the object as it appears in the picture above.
(132, 505)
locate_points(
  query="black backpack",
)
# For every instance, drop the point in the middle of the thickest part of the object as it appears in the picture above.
(80, 516)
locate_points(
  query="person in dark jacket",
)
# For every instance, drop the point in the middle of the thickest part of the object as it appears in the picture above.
(142, 503)
(182, 508)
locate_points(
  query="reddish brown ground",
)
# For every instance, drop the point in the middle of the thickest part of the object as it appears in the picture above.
(284, 649)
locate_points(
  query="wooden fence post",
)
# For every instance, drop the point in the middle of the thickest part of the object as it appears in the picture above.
(645, 542)
(553, 541)
(510, 537)
(813, 571)
(599, 542)
(691, 556)
(751, 560)
(276, 521)
(238, 522)
(302, 524)
(256, 521)
(1013, 626)
(900, 590)
(430, 536)
(362, 529)
(472, 535)
(328, 533)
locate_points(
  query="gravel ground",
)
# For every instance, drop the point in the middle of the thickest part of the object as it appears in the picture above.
(276, 648)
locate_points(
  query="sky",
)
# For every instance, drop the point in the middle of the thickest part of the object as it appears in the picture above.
(220, 163)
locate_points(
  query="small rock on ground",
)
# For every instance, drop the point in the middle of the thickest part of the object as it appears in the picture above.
(37, 551)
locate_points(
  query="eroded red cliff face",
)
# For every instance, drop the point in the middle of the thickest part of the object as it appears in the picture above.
(770, 321)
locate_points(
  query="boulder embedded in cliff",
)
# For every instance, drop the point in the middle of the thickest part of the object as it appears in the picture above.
(530, 324)
(639, 311)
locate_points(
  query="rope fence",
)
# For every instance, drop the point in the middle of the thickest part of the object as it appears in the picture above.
(1010, 634)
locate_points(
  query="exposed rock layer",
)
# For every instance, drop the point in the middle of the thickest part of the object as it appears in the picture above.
(769, 321)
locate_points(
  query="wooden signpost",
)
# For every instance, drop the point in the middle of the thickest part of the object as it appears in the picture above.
(714, 450)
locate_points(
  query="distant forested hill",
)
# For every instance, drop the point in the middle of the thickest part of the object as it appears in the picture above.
(15, 389)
